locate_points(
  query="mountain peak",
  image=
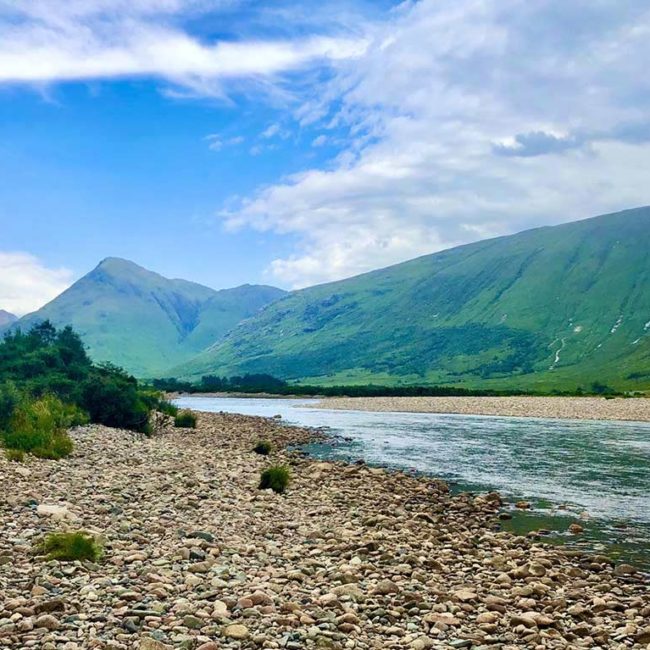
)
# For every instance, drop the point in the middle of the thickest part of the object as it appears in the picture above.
(113, 264)
(6, 318)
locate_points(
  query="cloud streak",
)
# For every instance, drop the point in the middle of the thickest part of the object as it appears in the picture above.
(107, 39)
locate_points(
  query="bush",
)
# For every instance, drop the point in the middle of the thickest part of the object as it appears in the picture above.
(263, 447)
(69, 547)
(15, 455)
(9, 400)
(40, 427)
(275, 478)
(167, 408)
(112, 398)
(47, 361)
(186, 420)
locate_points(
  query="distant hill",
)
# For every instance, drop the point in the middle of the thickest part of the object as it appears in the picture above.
(144, 322)
(6, 318)
(557, 306)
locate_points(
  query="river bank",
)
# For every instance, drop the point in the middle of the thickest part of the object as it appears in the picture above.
(350, 557)
(568, 408)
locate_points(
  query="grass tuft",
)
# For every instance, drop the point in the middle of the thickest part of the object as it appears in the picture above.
(186, 420)
(15, 455)
(70, 547)
(263, 448)
(275, 478)
(40, 427)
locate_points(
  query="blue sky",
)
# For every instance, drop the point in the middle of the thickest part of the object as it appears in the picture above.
(227, 141)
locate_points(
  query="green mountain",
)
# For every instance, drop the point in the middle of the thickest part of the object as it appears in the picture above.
(6, 319)
(144, 322)
(552, 307)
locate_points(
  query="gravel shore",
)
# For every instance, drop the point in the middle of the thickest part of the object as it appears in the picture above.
(350, 557)
(571, 408)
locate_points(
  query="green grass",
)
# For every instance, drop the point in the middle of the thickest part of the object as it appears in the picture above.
(495, 313)
(15, 455)
(185, 420)
(39, 427)
(167, 408)
(70, 547)
(275, 478)
(263, 448)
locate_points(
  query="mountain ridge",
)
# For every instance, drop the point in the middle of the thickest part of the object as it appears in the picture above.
(6, 318)
(535, 309)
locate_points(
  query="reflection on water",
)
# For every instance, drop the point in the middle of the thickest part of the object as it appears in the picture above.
(597, 473)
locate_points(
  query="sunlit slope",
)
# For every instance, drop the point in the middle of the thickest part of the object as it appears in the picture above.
(144, 322)
(563, 305)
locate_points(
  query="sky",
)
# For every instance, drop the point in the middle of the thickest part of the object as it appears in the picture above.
(232, 141)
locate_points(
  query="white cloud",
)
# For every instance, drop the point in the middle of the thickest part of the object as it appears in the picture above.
(271, 130)
(50, 42)
(466, 119)
(26, 284)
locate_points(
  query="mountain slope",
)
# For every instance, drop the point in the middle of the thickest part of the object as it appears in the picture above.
(554, 306)
(144, 322)
(6, 319)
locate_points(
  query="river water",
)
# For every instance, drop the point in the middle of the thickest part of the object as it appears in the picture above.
(593, 473)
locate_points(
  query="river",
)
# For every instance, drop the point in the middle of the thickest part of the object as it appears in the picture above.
(590, 472)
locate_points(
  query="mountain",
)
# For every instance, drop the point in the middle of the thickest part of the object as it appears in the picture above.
(552, 307)
(6, 319)
(144, 322)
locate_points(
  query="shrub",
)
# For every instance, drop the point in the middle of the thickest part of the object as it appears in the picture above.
(112, 398)
(47, 361)
(69, 547)
(40, 427)
(9, 400)
(167, 408)
(275, 478)
(15, 455)
(186, 420)
(263, 447)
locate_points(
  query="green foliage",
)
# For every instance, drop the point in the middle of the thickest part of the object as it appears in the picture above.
(166, 407)
(186, 420)
(9, 400)
(70, 547)
(112, 397)
(263, 447)
(15, 455)
(275, 478)
(46, 361)
(40, 427)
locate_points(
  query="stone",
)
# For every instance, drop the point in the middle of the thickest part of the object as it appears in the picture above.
(236, 631)
(386, 587)
(193, 622)
(54, 511)
(624, 570)
(47, 621)
(465, 595)
(147, 643)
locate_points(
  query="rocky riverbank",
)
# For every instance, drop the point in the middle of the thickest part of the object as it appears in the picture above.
(350, 557)
(566, 408)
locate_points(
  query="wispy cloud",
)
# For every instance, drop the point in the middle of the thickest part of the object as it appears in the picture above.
(52, 42)
(467, 119)
(26, 284)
